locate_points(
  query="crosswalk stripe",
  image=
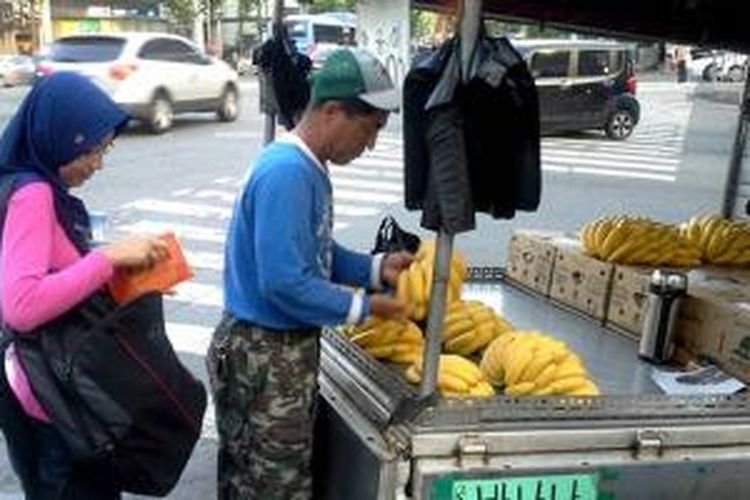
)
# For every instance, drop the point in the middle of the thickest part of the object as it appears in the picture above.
(183, 231)
(395, 187)
(376, 162)
(179, 208)
(608, 173)
(353, 195)
(555, 159)
(614, 148)
(198, 294)
(393, 154)
(596, 156)
(205, 260)
(189, 338)
(354, 210)
(227, 196)
(350, 170)
(651, 152)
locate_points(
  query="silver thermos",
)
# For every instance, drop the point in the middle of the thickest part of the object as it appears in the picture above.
(666, 289)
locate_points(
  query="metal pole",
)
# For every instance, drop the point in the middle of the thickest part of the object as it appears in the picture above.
(731, 187)
(269, 118)
(470, 20)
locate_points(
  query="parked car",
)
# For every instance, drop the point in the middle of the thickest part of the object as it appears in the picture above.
(583, 84)
(716, 65)
(16, 70)
(151, 75)
(308, 31)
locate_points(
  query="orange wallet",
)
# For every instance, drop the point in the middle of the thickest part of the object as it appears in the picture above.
(126, 286)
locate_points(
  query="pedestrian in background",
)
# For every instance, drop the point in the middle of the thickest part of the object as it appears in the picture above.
(283, 280)
(56, 140)
(681, 57)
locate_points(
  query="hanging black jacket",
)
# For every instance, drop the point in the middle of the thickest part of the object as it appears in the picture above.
(287, 71)
(471, 147)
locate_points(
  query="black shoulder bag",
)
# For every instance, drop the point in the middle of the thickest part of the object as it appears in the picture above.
(115, 389)
(392, 238)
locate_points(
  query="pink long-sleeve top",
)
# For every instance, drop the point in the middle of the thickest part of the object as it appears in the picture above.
(42, 276)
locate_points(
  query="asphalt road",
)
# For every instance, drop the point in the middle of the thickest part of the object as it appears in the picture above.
(672, 167)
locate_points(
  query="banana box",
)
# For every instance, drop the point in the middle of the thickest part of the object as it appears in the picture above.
(715, 322)
(580, 281)
(734, 355)
(708, 317)
(628, 298)
(531, 257)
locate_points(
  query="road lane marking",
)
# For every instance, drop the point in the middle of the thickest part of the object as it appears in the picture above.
(179, 208)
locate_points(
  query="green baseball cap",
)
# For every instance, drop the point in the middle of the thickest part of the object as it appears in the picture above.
(355, 73)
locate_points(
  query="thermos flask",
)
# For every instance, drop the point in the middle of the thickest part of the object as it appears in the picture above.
(664, 294)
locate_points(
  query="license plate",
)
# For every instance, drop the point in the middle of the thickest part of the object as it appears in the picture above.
(550, 487)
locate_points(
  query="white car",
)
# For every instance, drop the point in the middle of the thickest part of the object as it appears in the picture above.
(716, 65)
(16, 70)
(151, 75)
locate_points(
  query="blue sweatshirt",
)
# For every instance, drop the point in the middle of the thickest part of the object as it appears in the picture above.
(281, 262)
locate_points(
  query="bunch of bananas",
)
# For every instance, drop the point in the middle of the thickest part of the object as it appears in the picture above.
(531, 363)
(415, 284)
(470, 325)
(457, 377)
(400, 341)
(624, 239)
(720, 240)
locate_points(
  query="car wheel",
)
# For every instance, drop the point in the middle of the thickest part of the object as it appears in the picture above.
(161, 114)
(620, 124)
(229, 106)
(710, 73)
(736, 74)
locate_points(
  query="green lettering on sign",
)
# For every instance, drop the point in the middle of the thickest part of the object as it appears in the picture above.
(553, 487)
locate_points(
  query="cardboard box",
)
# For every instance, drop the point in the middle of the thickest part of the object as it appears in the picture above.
(700, 326)
(628, 299)
(735, 352)
(579, 280)
(714, 321)
(531, 257)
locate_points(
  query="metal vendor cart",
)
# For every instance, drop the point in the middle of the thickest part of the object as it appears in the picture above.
(381, 438)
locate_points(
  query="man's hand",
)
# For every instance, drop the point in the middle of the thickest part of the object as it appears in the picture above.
(385, 306)
(393, 264)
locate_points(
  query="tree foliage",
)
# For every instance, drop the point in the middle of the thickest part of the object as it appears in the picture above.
(325, 5)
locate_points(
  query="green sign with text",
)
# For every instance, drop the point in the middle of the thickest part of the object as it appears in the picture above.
(552, 487)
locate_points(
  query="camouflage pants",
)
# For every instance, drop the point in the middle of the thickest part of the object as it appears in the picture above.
(264, 384)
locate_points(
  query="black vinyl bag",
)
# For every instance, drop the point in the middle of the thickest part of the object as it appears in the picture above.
(115, 389)
(392, 238)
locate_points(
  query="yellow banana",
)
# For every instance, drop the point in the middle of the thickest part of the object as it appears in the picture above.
(521, 389)
(449, 382)
(416, 281)
(461, 343)
(567, 385)
(540, 361)
(457, 329)
(482, 389)
(461, 367)
(515, 365)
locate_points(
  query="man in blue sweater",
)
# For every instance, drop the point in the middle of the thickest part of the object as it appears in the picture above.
(285, 277)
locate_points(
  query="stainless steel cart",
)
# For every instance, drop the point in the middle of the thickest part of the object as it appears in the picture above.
(376, 440)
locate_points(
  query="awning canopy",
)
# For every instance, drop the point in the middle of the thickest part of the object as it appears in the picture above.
(716, 23)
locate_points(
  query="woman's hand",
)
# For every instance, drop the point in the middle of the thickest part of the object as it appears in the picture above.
(393, 264)
(136, 253)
